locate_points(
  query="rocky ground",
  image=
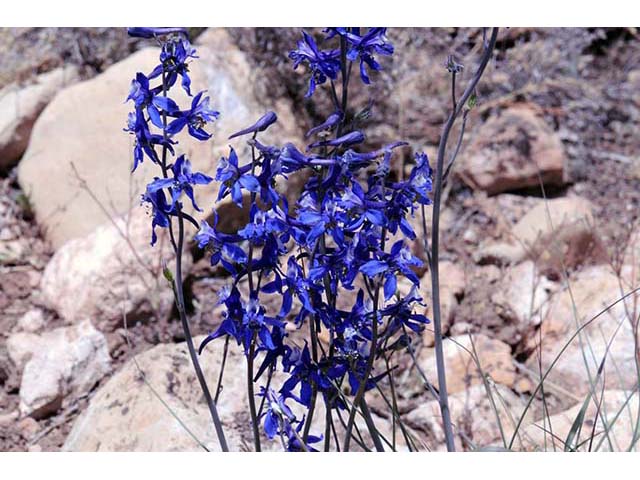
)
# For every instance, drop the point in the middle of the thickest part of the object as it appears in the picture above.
(522, 265)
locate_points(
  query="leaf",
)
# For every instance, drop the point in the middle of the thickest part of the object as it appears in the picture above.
(473, 100)
(576, 426)
(167, 274)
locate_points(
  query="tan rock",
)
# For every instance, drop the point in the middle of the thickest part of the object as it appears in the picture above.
(618, 412)
(110, 272)
(32, 321)
(67, 364)
(475, 417)
(494, 357)
(83, 125)
(556, 234)
(522, 297)
(20, 107)
(124, 415)
(452, 285)
(21, 347)
(511, 151)
(590, 304)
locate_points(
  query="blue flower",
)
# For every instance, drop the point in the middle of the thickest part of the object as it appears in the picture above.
(194, 119)
(161, 211)
(176, 51)
(347, 140)
(145, 140)
(265, 224)
(277, 413)
(153, 32)
(182, 181)
(331, 121)
(365, 46)
(234, 178)
(402, 313)
(398, 260)
(261, 125)
(222, 246)
(323, 64)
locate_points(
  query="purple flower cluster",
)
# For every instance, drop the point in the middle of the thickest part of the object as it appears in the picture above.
(346, 233)
(332, 240)
(157, 120)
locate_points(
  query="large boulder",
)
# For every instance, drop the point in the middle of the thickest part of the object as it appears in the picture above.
(591, 306)
(66, 363)
(20, 107)
(83, 126)
(111, 272)
(125, 415)
(514, 150)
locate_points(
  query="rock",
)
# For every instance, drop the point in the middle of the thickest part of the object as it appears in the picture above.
(452, 285)
(20, 107)
(473, 415)
(8, 419)
(28, 427)
(21, 347)
(512, 151)
(521, 299)
(112, 271)
(494, 357)
(619, 409)
(555, 233)
(630, 271)
(124, 415)
(592, 291)
(67, 365)
(32, 321)
(94, 142)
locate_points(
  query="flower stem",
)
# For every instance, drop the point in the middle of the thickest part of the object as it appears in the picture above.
(435, 236)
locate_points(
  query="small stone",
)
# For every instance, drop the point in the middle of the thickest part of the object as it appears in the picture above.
(494, 357)
(32, 321)
(515, 150)
(67, 364)
(28, 427)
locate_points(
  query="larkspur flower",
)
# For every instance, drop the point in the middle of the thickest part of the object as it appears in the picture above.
(323, 64)
(194, 119)
(223, 247)
(234, 179)
(261, 125)
(363, 47)
(182, 182)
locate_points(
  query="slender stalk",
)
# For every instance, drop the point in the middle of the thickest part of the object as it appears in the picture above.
(189, 339)
(435, 244)
(363, 382)
(252, 400)
(179, 293)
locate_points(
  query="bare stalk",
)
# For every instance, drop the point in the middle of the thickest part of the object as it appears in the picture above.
(435, 235)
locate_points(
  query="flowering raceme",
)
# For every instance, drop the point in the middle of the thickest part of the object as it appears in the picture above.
(334, 241)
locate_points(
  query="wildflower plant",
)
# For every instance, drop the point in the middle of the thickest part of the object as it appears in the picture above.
(346, 237)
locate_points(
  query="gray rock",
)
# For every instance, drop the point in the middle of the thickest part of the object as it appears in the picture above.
(67, 364)
(111, 272)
